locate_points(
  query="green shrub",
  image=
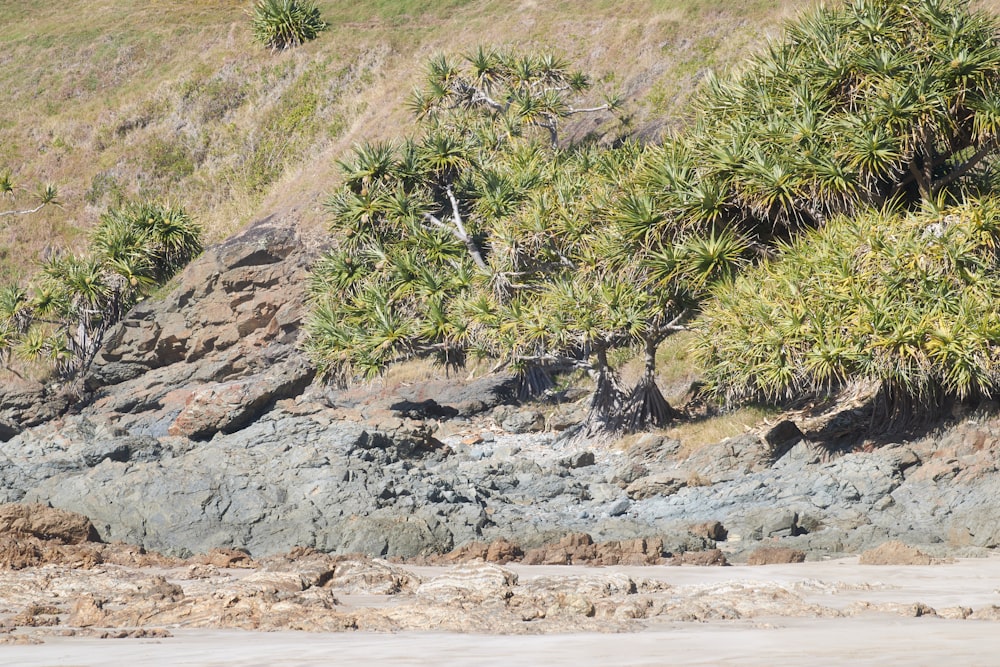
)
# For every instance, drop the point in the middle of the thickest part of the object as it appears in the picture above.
(73, 300)
(905, 301)
(283, 24)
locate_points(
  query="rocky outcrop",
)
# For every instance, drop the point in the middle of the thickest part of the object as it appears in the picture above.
(45, 523)
(204, 429)
(305, 590)
(26, 403)
(219, 348)
(775, 556)
(228, 406)
(894, 552)
(302, 474)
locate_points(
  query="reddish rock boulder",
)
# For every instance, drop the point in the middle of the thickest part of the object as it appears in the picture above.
(775, 556)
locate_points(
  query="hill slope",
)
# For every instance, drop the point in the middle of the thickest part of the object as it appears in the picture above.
(116, 99)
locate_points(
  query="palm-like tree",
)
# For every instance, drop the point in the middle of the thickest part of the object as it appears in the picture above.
(903, 301)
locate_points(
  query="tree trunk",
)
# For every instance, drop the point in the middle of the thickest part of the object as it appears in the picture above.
(607, 402)
(646, 406)
(533, 382)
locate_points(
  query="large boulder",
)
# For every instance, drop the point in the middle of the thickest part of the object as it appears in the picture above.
(234, 315)
(45, 523)
(228, 406)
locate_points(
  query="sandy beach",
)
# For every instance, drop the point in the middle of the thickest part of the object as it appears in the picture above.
(862, 615)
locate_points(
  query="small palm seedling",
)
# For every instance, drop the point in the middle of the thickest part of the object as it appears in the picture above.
(283, 24)
(47, 194)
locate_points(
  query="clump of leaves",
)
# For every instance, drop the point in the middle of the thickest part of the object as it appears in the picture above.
(47, 195)
(904, 301)
(283, 24)
(858, 103)
(73, 301)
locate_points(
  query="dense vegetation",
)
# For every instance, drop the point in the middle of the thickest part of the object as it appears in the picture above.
(862, 113)
(485, 235)
(905, 301)
(482, 236)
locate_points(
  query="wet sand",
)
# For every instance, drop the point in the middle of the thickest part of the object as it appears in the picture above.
(876, 637)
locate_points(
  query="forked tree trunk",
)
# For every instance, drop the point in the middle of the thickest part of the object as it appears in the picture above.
(646, 407)
(608, 400)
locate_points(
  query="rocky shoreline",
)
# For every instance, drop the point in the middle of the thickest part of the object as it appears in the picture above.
(205, 428)
(255, 497)
(58, 582)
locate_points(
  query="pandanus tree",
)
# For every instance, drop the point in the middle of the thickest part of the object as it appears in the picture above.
(858, 116)
(854, 106)
(428, 255)
(479, 237)
(73, 300)
(904, 301)
(47, 195)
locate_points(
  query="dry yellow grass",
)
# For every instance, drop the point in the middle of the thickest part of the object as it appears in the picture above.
(696, 434)
(173, 100)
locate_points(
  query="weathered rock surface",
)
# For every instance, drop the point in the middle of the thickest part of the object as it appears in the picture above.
(311, 591)
(45, 523)
(894, 552)
(204, 430)
(301, 476)
(219, 348)
(775, 556)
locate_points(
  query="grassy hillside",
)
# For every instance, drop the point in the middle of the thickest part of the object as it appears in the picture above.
(173, 100)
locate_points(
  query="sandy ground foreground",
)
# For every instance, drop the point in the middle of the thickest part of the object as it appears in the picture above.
(869, 639)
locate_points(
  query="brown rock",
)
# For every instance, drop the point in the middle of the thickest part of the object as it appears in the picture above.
(776, 556)
(710, 530)
(502, 551)
(702, 558)
(663, 484)
(498, 551)
(46, 523)
(87, 612)
(640, 551)
(224, 558)
(227, 406)
(17, 554)
(894, 552)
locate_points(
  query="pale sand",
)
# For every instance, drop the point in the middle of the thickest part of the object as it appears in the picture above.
(872, 639)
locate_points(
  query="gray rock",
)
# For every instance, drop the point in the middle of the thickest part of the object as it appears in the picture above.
(523, 421)
(782, 437)
(664, 484)
(579, 460)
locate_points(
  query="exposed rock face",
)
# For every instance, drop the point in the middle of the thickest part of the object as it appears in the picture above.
(23, 404)
(45, 523)
(203, 431)
(307, 590)
(219, 348)
(775, 556)
(894, 552)
(301, 474)
(228, 406)
(33, 535)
